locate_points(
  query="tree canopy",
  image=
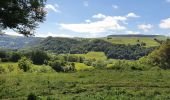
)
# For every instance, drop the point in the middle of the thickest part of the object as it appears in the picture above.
(22, 16)
(161, 56)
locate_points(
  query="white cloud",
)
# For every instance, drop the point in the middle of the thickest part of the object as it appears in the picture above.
(86, 3)
(165, 24)
(53, 35)
(87, 21)
(54, 8)
(115, 7)
(99, 16)
(102, 16)
(12, 33)
(132, 32)
(103, 24)
(132, 15)
(145, 27)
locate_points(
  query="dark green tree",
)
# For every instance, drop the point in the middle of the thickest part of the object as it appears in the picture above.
(161, 56)
(57, 65)
(15, 56)
(21, 15)
(39, 57)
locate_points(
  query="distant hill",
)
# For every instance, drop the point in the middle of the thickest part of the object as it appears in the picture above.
(81, 46)
(49, 43)
(17, 42)
(136, 35)
(149, 40)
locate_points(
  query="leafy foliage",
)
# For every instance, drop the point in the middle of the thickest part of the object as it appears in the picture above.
(15, 56)
(24, 64)
(161, 56)
(38, 57)
(25, 15)
(76, 46)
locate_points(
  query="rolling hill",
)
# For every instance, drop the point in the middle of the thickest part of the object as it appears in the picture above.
(17, 42)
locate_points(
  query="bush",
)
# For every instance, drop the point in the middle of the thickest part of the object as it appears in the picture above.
(32, 96)
(39, 57)
(57, 65)
(4, 59)
(161, 56)
(69, 67)
(99, 64)
(136, 66)
(24, 64)
(41, 69)
(3, 54)
(3, 70)
(88, 62)
(127, 65)
(119, 65)
(15, 57)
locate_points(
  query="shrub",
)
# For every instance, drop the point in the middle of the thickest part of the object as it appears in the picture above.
(24, 64)
(4, 59)
(69, 67)
(57, 65)
(88, 62)
(161, 56)
(15, 57)
(3, 54)
(41, 69)
(99, 64)
(11, 68)
(39, 57)
(2, 70)
(119, 65)
(32, 96)
(127, 65)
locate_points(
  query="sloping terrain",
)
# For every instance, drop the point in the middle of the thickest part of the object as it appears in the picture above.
(17, 42)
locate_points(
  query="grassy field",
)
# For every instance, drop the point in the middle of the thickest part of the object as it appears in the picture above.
(42, 68)
(88, 85)
(150, 42)
(9, 67)
(94, 55)
(82, 67)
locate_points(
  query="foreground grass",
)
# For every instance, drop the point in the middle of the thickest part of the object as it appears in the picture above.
(87, 85)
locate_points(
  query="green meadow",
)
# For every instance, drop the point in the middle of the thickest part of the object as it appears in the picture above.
(87, 85)
(150, 42)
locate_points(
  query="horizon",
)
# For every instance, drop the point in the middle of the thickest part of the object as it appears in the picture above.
(92, 19)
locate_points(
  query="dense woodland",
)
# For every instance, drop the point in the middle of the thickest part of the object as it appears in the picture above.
(81, 46)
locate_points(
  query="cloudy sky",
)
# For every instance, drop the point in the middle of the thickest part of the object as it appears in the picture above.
(98, 18)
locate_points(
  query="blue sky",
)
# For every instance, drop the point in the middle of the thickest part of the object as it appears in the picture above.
(98, 18)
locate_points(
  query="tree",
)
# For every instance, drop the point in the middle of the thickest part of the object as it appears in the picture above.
(39, 57)
(21, 15)
(161, 56)
(15, 56)
(57, 65)
(24, 64)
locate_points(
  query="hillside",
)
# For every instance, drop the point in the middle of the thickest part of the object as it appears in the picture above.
(17, 42)
(81, 46)
(149, 40)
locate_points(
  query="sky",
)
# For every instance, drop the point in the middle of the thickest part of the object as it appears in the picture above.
(100, 18)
